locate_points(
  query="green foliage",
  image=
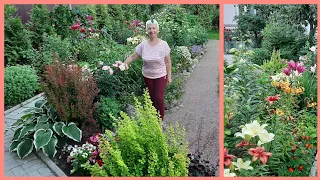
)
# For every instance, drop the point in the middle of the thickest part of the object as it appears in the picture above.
(122, 83)
(177, 27)
(175, 90)
(140, 147)
(52, 45)
(309, 82)
(106, 108)
(274, 65)
(248, 23)
(40, 128)
(284, 37)
(39, 23)
(260, 55)
(17, 43)
(20, 83)
(62, 19)
(208, 14)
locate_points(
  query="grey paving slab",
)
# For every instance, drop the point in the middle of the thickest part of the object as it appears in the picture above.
(8, 173)
(200, 112)
(19, 171)
(34, 173)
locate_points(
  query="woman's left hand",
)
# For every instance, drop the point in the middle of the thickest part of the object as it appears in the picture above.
(169, 80)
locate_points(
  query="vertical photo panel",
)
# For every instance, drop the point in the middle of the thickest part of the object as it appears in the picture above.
(270, 90)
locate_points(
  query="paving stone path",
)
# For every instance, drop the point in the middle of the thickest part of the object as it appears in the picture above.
(199, 113)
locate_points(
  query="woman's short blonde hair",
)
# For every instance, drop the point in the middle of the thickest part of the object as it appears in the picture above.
(153, 21)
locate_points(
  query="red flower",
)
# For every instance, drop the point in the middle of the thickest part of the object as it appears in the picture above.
(300, 168)
(271, 99)
(244, 143)
(227, 158)
(75, 26)
(90, 17)
(99, 161)
(258, 152)
(82, 30)
(294, 157)
(291, 169)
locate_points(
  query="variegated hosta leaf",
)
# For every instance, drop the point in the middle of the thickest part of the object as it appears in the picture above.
(24, 131)
(43, 118)
(24, 148)
(16, 134)
(40, 103)
(13, 146)
(50, 149)
(42, 125)
(42, 138)
(57, 127)
(72, 131)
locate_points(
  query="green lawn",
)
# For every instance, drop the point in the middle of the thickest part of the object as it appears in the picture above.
(213, 34)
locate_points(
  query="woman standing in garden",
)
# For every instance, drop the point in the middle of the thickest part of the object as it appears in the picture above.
(156, 69)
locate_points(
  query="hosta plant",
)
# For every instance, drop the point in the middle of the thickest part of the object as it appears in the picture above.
(40, 128)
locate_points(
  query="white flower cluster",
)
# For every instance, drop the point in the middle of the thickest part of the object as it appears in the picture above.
(83, 150)
(135, 40)
(184, 51)
(254, 129)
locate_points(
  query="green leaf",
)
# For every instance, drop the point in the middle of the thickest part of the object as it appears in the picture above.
(42, 138)
(40, 103)
(33, 110)
(50, 149)
(26, 129)
(42, 125)
(13, 146)
(43, 118)
(26, 116)
(24, 148)
(72, 131)
(227, 132)
(16, 134)
(52, 113)
(57, 127)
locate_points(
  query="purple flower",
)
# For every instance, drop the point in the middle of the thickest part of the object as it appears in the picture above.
(196, 49)
(287, 71)
(292, 65)
(136, 22)
(95, 153)
(301, 69)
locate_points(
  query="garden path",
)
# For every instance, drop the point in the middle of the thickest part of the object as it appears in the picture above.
(199, 113)
(13, 166)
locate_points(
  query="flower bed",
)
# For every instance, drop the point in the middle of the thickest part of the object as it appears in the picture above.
(270, 116)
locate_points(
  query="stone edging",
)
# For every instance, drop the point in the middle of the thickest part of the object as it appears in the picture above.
(23, 103)
(50, 164)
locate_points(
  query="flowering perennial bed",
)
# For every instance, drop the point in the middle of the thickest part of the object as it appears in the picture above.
(270, 121)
